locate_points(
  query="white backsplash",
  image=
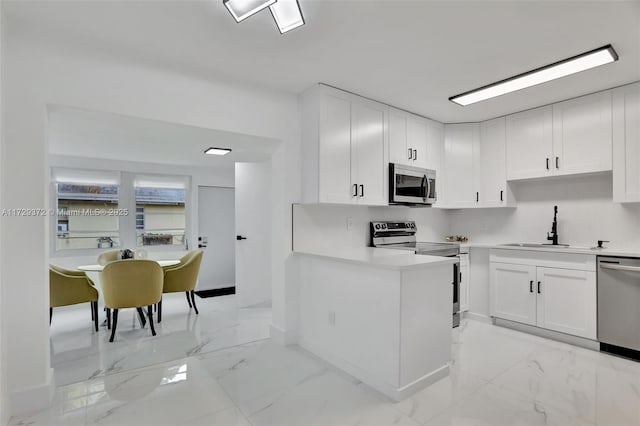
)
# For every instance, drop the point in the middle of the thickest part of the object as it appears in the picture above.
(586, 214)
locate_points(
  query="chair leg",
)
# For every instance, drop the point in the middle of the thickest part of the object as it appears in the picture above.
(188, 299)
(143, 320)
(115, 324)
(153, 330)
(50, 315)
(159, 311)
(95, 315)
(193, 300)
(108, 318)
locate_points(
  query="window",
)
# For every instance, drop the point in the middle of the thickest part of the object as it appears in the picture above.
(160, 211)
(86, 213)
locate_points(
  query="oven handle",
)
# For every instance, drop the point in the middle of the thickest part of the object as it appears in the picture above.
(619, 267)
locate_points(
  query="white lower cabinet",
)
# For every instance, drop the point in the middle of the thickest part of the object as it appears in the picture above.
(464, 282)
(553, 298)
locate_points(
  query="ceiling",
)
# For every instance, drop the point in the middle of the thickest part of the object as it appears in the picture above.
(411, 54)
(100, 135)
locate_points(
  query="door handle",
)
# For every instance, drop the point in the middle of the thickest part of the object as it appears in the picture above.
(539, 292)
(415, 154)
(361, 191)
(616, 267)
(547, 163)
(410, 154)
(477, 197)
(557, 165)
(240, 237)
(355, 189)
(531, 286)
(501, 195)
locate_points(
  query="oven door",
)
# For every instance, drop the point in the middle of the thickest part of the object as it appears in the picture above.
(411, 185)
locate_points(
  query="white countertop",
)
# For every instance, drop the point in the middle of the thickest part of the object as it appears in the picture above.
(383, 258)
(613, 250)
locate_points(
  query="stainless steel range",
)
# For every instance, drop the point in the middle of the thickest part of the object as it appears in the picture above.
(402, 236)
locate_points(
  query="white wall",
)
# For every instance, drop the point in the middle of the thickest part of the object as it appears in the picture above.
(586, 213)
(324, 227)
(40, 71)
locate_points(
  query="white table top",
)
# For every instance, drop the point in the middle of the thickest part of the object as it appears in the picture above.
(99, 268)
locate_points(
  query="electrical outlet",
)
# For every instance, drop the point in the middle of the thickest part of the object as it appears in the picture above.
(349, 223)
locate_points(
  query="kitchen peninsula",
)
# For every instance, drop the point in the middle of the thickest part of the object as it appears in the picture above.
(383, 316)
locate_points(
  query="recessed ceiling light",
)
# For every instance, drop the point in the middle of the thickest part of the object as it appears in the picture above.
(217, 151)
(242, 9)
(575, 64)
(287, 14)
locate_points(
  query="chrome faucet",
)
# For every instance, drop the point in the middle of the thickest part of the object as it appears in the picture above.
(554, 228)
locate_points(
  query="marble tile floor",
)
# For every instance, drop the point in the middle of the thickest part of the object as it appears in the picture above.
(498, 377)
(79, 354)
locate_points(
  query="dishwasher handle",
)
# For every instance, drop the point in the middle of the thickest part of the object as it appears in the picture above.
(617, 267)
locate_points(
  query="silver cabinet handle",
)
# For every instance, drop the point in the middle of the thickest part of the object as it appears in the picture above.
(620, 267)
(410, 154)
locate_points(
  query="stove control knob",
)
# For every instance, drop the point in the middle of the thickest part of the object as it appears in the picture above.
(377, 226)
(384, 226)
(413, 225)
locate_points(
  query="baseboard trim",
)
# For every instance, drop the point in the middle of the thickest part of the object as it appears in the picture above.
(283, 337)
(394, 393)
(549, 334)
(32, 399)
(215, 292)
(477, 317)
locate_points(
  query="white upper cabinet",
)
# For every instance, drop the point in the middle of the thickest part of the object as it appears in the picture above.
(408, 139)
(582, 134)
(529, 144)
(435, 153)
(492, 167)
(626, 144)
(566, 138)
(369, 146)
(345, 148)
(460, 143)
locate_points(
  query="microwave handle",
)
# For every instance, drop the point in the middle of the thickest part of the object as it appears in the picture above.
(424, 187)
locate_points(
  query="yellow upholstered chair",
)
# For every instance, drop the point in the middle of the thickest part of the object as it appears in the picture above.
(131, 284)
(108, 256)
(68, 287)
(183, 277)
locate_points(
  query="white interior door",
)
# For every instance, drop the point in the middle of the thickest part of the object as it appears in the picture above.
(253, 225)
(216, 227)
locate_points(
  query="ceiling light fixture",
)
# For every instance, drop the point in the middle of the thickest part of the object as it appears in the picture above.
(242, 9)
(217, 151)
(575, 64)
(287, 14)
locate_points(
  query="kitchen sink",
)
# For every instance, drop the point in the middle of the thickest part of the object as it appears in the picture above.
(531, 245)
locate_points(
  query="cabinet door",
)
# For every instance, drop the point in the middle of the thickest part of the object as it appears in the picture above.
(582, 134)
(398, 149)
(626, 143)
(435, 148)
(370, 169)
(464, 283)
(529, 144)
(512, 292)
(417, 140)
(334, 183)
(459, 187)
(567, 301)
(492, 163)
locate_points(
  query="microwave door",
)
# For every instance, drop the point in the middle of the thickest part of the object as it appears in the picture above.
(408, 188)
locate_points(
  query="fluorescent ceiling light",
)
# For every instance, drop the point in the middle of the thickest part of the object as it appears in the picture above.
(575, 64)
(287, 15)
(217, 151)
(242, 9)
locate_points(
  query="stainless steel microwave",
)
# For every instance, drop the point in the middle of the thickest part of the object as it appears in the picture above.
(411, 185)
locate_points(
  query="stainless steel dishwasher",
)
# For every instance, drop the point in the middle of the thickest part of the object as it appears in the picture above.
(619, 305)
